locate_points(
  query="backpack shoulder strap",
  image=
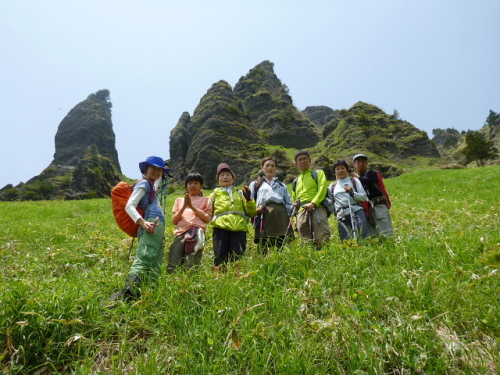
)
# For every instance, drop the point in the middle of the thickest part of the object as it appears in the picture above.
(354, 185)
(314, 175)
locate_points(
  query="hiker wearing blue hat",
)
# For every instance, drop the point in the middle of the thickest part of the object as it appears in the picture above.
(377, 212)
(149, 255)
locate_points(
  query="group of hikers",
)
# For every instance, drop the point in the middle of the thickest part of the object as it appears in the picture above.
(357, 198)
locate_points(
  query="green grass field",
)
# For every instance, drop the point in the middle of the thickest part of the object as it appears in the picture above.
(426, 301)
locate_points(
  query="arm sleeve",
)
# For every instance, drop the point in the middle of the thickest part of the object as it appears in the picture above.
(131, 207)
(369, 178)
(287, 199)
(208, 208)
(250, 208)
(360, 194)
(322, 188)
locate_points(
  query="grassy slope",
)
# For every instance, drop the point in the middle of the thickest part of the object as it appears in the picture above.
(425, 301)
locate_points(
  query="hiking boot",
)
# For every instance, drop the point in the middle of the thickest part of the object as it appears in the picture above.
(131, 292)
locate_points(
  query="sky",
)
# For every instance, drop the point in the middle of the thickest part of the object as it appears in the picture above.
(436, 62)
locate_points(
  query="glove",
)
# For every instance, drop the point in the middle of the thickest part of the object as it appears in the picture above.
(246, 193)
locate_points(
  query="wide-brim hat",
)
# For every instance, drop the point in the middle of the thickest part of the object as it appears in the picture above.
(223, 166)
(152, 160)
(359, 156)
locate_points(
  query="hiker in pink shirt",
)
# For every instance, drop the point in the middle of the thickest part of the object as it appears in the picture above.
(191, 214)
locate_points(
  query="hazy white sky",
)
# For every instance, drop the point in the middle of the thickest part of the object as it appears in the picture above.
(436, 62)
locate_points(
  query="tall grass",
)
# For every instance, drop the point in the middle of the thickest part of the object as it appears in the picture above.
(426, 301)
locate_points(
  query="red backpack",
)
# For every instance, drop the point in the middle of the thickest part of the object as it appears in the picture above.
(119, 198)
(381, 187)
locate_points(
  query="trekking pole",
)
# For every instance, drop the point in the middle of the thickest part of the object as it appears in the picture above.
(261, 224)
(163, 192)
(289, 226)
(353, 222)
(130, 248)
(311, 225)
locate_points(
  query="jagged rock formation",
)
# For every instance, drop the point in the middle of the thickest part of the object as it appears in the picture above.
(257, 119)
(271, 109)
(233, 126)
(321, 114)
(85, 161)
(219, 131)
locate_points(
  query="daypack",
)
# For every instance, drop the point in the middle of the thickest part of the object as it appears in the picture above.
(119, 198)
(328, 202)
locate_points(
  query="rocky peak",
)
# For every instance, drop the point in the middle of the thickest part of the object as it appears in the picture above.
(88, 123)
(85, 161)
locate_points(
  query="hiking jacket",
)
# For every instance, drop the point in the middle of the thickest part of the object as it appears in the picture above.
(231, 213)
(308, 190)
(140, 198)
(272, 192)
(343, 199)
(369, 180)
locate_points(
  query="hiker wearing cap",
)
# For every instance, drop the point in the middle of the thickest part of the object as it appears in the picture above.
(191, 213)
(232, 208)
(379, 216)
(309, 190)
(274, 207)
(348, 193)
(149, 255)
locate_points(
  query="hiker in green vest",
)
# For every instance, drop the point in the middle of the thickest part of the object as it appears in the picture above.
(232, 208)
(379, 216)
(309, 191)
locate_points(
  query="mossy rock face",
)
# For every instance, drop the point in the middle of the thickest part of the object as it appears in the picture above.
(321, 115)
(271, 109)
(88, 123)
(365, 128)
(93, 177)
(219, 131)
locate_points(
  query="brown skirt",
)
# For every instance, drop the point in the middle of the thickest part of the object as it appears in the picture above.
(275, 221)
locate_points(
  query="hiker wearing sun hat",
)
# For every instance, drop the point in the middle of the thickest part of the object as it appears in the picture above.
(149, 255)
(378, 217)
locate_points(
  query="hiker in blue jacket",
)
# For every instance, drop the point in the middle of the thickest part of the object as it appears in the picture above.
(149, 255)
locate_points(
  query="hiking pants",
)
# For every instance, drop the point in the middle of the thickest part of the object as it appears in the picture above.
(345, 226)
(177, 256)
(149, 255)
(228, 245)
(318, 219)
(380, 222)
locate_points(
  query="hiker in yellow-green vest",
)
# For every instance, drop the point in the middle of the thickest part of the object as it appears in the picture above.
(309, 191)
(232, 208)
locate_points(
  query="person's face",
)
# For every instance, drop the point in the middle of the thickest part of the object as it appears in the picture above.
(303, 162)
(225, 179)
(360, 164)
(341, 172)
(194, 187)
(269, 168)
(153, 173)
